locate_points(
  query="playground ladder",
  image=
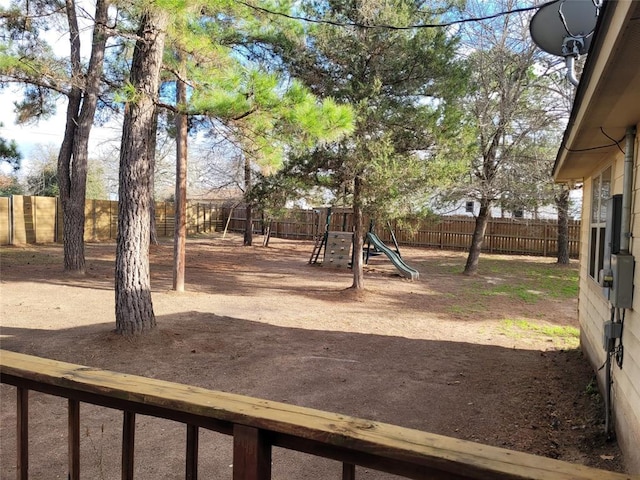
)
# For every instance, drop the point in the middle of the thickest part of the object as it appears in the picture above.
(320, 241)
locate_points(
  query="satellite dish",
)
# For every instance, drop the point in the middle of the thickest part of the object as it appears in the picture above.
(565, 28)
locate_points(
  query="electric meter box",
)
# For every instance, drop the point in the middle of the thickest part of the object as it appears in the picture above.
(621, 291)
(610, 332)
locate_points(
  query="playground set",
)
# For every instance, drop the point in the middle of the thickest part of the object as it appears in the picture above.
(334, 248)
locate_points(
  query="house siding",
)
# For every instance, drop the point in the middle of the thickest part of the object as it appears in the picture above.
(594, 310)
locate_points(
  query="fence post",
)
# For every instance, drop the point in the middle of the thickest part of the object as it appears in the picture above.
(489, 234)
(11, 221)
(55, 221)
(113, 205)
(34, 216)
(94, 216)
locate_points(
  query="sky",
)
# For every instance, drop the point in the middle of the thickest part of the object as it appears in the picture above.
(46, 132)
(51, 131)
(42, 132)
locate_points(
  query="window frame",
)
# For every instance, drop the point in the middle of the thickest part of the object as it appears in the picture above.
(601, 191)
(469, 206)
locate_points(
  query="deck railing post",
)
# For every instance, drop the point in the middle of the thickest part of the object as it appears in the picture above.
(192, 453)
(251, 454)
(74, 439)
(22, 461)
(257, 425)
(128, 444)
(348, 471)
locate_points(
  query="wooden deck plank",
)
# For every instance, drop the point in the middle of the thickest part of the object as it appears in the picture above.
(436, 455)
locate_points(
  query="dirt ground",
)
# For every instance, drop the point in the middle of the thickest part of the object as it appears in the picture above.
(436, 354)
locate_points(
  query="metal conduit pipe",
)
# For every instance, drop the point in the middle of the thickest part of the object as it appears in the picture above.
(627, 186)
(607, 389)
(570, 61)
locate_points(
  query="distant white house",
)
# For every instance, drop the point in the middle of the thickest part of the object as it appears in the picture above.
(471, 208)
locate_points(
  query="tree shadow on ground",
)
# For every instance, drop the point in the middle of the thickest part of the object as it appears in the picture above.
(521, 399)
(224, 267)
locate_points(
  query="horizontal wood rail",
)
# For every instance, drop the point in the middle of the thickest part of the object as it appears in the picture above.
(258, 425)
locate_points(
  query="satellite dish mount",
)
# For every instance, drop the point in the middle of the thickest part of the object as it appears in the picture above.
(565, 28)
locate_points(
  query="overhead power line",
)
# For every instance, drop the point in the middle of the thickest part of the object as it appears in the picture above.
(393, 27)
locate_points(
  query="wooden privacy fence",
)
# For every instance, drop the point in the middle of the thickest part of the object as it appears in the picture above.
(31, 219)
(257, 426)
(25, 219)
(503, 235)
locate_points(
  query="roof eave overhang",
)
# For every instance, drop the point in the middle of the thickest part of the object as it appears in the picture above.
(575, 159)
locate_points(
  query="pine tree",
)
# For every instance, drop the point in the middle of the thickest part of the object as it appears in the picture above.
(134, 307)
(261, 102)
(262, 112)
(399, 82)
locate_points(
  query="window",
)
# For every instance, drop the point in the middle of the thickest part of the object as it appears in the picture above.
(519, 213)
(600, 193)
(469, 207)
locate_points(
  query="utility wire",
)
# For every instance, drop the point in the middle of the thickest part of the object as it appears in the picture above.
(616, 143)
(577, 150)
(393, 27)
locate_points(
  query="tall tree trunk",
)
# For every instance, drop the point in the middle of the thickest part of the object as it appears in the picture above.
(74, 151)
(79, 166)
(358, 240)
(71, 224)
(151, 151)
(487, 174)
(562, 204)
(248, 223)
(477, 239)
(180, 230)
(134, 309)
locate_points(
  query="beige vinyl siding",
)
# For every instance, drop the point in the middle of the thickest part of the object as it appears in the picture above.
(626, 386)
(626, 416)
(594, 310)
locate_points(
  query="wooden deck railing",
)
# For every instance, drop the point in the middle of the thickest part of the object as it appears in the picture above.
(258, 425)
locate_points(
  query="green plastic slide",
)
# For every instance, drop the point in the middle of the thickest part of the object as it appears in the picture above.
(405, 269)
